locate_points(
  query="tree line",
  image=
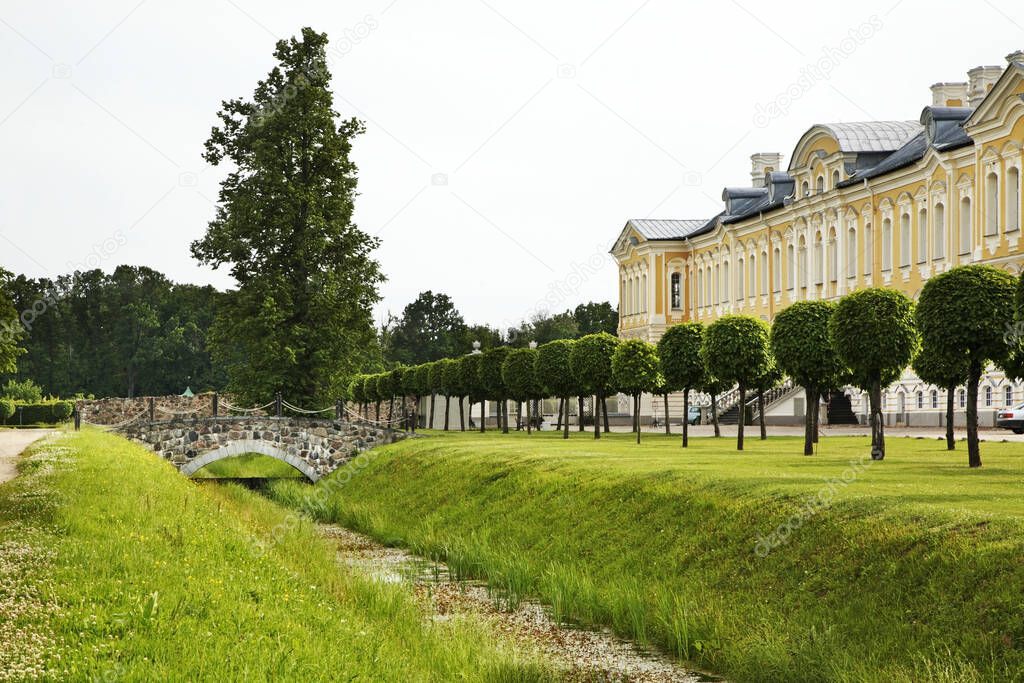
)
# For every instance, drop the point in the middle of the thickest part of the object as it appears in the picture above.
(962, 322)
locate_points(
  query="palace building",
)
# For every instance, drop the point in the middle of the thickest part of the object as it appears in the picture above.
(874, 203)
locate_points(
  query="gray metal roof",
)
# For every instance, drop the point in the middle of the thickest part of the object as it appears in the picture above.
(872, 136)
(666, 228)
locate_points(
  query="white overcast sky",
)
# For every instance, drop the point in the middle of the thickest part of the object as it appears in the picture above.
(551, 123)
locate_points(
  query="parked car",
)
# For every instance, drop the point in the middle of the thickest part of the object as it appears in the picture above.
(1011, 418)
(693, 417)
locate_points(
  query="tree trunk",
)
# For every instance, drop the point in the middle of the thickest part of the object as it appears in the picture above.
(483, 408)
(668, 429)
(462, 413)
(391, 411)
(447, 410)
(565, 424)
(950, 441)
(529, 416)
(519, 416)
(817, 415)
(743, 417)
(504, 416)
(973, 377)
(579, 419)
(561, 407)
(686, 417)
(432, 397)
(376, 409)
(877, 425)
(415, 412)
(760, 412)
(604, 414)
(636, 411)
(809, 394)
(598, 404)
(714, 415)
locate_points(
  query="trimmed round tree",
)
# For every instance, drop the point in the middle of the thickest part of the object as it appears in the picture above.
(556, 376)
(396, 385)
(370, 393)
(713, 387)
(410, 388)
(355, 392)
(963, 315)
(874, 334)
(636, 370)
(947, 373)
(448, 370)
(736, 350)
(591, 363)
(436, 386)
(493, 383)
(455, 388)
(804, 352)
(423, 384)
(519, 372)
(469, 378)
(682, 365)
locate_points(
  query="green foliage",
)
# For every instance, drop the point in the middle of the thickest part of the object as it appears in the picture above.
(370, 389)
(451, 377)
(395, 377)
(519, 372)
(437, 376)
(469, 376)
(24, 390)
(635, 367)
(407, 380)
(801, 344)
(965, 313)
(424, 384)
(355, 389)
(591, 362)
(553, 369)
(430, 328)
(873, 333)
(49, 412)
(11, 329)
(386, 386)
(942, 371)
(6, 409)
(736, 349)
(594, 318)
(490, 372)
(679, 352)
(300, 322)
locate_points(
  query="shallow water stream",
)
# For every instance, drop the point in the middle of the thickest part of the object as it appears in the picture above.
(582, 654)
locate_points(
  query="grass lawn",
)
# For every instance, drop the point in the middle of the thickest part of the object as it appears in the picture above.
(764, 565)
(249, 466)
(115, 567)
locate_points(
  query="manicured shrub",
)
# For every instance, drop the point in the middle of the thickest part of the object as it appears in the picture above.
(519, 372)
(469, 379)
(437, 387)
(355, 392)
(556, 375)
(41, 412)
(493, 384)
(635, 371)
(874, 334)
(804, 351)
(591, 363)
(452, 380)
(682, 365)
(963, 315)
(736, 350)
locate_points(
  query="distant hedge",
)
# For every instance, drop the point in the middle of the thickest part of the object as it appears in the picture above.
(42, 412)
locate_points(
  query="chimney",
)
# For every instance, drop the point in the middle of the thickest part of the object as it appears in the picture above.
(981, 78)
(949, 95)
(761, 163)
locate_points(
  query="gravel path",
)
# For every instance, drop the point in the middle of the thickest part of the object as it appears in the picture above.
(12, 443)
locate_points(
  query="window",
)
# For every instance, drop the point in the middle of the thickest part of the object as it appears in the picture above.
(851, 251)
(922, 235)
(905, 240)
(741, 283)
(700, 287)
(991, 204)
(833, 256)
(835, 178)
(805, 190)
(725, 282)
(988, 397)
(777, 270)
(935, 399)
(763, 289)
(886, 245)
(963, 399)
(643, 295)
(901, 403)
(939, 228)
(801, 263)
(717, 298)
(790, 267)
(965, 226)
(1012, 199)
(707, 287)
(752, 276)
(1008, 396)
(869, 250)
(819, 184)
(920, 400)
(819, 259)
(677, 292)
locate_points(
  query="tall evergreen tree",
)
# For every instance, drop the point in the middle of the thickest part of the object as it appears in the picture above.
(300, 319)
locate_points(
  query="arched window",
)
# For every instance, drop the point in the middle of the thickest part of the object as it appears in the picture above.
(988, 397)
(741, 282)
(819, 184)
(725, 281)
(939, 228)
(763, 289)
(920, 400)
(1012, 199)
(700, 287)
(886, 245)
(804, 189)
(869, 250)
(935, 399)
(965, 226)
(819, 259)
(922, 235)
(901, 402)
(1008, 396)
(963, 399)
(717, 298)
(776, 270)
(708, 291)
(752, 276)
(835, 178)
(851, 251)
(991, 204)
(676, 291)
(643, 295)
(801, 264)
(629, 296)
(905, 240)
(790, 266)
(833, 256)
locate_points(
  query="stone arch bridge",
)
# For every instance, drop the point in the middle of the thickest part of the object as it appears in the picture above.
(314, 446)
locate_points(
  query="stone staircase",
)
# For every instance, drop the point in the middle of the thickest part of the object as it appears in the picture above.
(840, 411)
(730, 415)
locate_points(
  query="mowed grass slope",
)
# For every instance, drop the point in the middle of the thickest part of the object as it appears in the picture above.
(764, 565)
(115, 567)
